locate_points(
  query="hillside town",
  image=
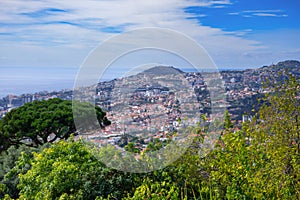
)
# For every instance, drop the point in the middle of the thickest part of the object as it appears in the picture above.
(158, 103)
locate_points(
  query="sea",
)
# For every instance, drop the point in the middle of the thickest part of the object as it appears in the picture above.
(29, 80)
(23, 80)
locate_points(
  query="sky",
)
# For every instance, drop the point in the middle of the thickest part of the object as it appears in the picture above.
(42, 39)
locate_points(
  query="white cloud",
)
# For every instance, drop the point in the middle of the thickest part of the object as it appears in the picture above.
(233, 13)
(260, 13)
(264, 13)
(267, 15)
(79, 26)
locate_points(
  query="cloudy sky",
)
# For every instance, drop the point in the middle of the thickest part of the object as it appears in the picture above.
(50, 34)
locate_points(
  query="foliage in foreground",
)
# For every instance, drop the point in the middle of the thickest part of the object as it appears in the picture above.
(68, 170)
(8, 183)
(262, 161)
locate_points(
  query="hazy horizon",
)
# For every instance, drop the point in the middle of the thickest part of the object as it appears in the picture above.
(33, 81)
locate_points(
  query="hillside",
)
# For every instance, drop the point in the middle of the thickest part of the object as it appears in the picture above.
(163, 70)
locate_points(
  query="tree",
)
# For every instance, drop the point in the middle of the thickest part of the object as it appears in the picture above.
(130, 147)
(4, 142)
(70, 170)
(279, 134)
(8, 159)
(227, 121)
(182, 179)
(262, 161)
(40, 122)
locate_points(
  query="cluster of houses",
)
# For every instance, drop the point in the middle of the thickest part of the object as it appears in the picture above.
(152, 110)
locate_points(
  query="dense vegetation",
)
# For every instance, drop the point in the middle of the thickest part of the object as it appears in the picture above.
(40, 122)
(260, 161)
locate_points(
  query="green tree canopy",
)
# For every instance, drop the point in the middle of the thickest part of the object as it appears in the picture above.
(262, 161)
(42, 122)
(8, 159)
(227, 121)
(69, 170)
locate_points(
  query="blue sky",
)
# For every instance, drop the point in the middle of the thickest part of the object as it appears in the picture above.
(61, 33)
(255, 15)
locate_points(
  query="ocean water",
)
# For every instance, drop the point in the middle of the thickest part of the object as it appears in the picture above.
(22, 80)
